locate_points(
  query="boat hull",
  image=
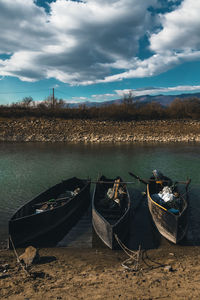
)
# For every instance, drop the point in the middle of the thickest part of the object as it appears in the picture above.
(172, 227)
(104, 228)
(49, 227)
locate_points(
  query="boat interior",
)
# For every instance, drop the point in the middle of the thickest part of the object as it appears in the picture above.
(50, 199)
(177, 205)
(111, 207)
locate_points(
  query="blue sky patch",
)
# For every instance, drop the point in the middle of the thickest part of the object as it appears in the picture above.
(97, 50)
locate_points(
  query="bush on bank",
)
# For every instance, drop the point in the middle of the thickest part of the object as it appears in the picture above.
(178, 109)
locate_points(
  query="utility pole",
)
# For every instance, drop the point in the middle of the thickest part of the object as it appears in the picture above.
(53, 99)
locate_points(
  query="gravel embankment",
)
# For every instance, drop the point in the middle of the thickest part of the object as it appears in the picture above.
(91, 131)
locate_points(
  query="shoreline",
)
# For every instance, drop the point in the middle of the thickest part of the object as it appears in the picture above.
(69, 273)
(94, 131)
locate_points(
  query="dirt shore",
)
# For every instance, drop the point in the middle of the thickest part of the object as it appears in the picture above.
(171, 272)
(91, 131)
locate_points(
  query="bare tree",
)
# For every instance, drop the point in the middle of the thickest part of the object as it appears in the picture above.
(128, 98)
(26, 101)
(49, 103)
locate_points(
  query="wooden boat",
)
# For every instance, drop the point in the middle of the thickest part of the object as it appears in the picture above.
(109, 217)
(44, 220)
(171, 223)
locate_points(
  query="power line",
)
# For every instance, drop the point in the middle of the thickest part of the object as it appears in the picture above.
(37, 91)
(33, 91)
(24, 92)
(65, 93)
(68, 95)
(60, 92)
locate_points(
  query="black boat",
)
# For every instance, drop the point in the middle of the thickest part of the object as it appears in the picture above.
(45, 220)
(170, 217)
(110, 210)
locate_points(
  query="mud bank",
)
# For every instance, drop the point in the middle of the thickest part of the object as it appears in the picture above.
(64, 273)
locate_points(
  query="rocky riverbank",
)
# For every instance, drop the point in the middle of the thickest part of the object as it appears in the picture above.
(91, 131)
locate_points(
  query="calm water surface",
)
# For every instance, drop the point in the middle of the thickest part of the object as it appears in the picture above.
(28, 169)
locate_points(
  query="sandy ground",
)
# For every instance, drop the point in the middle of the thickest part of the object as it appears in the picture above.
(170, 272)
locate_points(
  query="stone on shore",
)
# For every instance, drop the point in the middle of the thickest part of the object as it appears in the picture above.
(29, 256)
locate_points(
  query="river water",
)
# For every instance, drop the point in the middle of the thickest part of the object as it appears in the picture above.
(26, 169)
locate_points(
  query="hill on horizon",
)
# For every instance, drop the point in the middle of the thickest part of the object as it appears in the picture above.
(164, 100)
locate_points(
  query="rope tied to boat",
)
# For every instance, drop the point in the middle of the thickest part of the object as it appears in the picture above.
(18, 259)
(134, 256)
(133, 263)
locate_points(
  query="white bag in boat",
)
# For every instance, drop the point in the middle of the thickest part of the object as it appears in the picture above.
(166, 194)
(110, 193)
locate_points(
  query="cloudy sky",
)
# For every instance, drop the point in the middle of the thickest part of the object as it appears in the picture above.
(98, 49)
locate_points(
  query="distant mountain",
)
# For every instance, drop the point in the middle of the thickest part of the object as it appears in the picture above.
(165, 99)
(161, 99)
(96, 104)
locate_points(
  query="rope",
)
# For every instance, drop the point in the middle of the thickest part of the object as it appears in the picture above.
(151, 267)
(17, 256)
(134, 256)
(126, 249)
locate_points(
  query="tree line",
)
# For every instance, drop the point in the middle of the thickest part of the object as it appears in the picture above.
(128, 110)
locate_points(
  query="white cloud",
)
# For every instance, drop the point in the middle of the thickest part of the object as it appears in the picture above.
(23, 26)
(137, 92)
(158, 90)
(76, 100)
(80, 98)
(77, 40)
(85, 42)
(176, 42)
(180, 29)
(92, 98)
(104, 97)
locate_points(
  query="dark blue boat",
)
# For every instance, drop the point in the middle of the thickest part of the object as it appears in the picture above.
(47, 218)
